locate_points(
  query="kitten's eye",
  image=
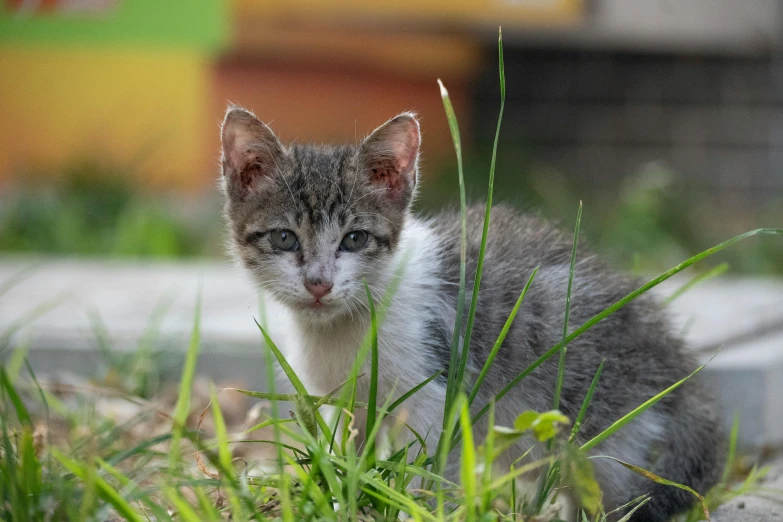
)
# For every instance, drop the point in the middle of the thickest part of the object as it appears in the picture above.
(354, 241)
(284, 240)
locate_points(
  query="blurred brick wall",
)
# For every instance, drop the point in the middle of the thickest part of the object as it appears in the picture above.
(717, 121)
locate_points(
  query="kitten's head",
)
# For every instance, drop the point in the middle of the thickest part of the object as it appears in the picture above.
(312, 222)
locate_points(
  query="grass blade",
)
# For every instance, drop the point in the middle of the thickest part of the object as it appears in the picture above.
(184, 510)
(628, 417)
(16, 360)
(564, 342)
(399, 485)
(224, 456)
(586, 403)
(105, 491)
(285, 493)
(642, 502)
(405, 396)
(182, 408)
(31, 315)
(489, 458)
(700, 278)
(500, 339)
(137, 450)
(468, 463)
(17, 277)
(485, 231)
(452, 385)
(296, 382)
(732, 450)
(414, 470)
(134, 489)
(21, 410)
(372, 396)
(443, 450)
(659, 480)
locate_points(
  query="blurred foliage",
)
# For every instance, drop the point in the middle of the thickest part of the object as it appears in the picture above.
(91, 210)
(647, 222)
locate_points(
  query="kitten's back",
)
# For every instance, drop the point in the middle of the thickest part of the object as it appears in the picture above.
(642, 356)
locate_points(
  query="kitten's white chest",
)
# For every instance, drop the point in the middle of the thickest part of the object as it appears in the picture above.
(323, 355)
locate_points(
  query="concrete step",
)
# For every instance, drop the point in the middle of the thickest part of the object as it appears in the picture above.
(743, 315)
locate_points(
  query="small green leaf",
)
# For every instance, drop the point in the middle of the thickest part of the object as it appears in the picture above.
(548, 424)
(526, 420)
(544, 425)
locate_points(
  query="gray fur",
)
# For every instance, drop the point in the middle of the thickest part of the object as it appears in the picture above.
(642, 356)
(322, 193)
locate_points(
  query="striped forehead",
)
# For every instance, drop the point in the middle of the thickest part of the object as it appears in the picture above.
(318, 184)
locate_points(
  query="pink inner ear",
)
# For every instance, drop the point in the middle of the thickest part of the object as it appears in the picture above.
(407, 147)
(245, 156)
(233, 153)
(395, 167)
(388, 174)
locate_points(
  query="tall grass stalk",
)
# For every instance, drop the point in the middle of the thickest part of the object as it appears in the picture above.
(452, 385)
(564, 342)
(485, 231)
(372, 397)
(499, 342)
(551, 475)
(628, 417)
(182, 408)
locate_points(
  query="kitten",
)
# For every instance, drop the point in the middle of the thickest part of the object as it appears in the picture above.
(311, 223)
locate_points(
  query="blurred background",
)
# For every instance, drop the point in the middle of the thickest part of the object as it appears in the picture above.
(665, 117)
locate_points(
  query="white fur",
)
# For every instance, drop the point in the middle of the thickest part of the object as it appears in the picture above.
(322, 353)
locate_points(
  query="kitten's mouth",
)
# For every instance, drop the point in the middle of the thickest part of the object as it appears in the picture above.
(317, 305)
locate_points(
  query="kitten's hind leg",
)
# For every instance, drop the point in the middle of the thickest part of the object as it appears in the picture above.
(687, 450)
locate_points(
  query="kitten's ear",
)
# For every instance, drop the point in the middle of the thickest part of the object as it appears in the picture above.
(390, 154)
(251, 151)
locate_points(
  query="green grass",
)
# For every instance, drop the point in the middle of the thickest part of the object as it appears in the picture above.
(62, 460)
(92, 210)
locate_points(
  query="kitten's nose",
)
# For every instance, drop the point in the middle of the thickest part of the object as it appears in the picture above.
(318, 287)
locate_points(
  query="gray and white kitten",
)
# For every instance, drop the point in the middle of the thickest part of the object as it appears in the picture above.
(310, 223)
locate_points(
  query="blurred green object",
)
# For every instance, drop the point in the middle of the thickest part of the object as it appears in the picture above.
(169, 23)
(646, 223)
(90, 211)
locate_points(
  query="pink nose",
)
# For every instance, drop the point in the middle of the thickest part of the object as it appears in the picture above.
(318, 288)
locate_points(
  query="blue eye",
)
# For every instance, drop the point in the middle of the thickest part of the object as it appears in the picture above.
(284, 240)
(354, 241)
